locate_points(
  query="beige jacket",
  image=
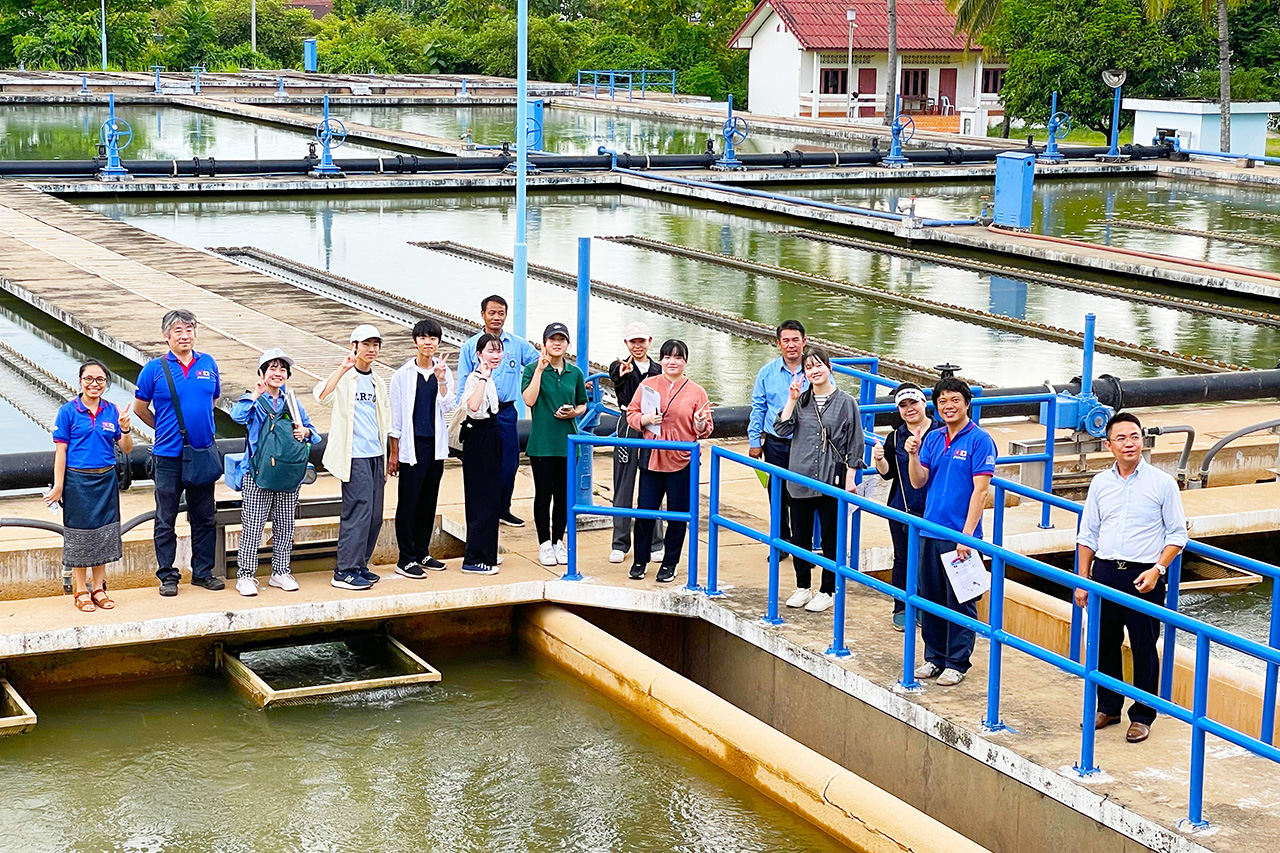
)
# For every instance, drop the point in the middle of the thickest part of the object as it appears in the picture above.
(337, 453)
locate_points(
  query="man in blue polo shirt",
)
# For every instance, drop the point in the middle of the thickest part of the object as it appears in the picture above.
(770, 393)
(195, 377)
(957, 464)
(516, 353)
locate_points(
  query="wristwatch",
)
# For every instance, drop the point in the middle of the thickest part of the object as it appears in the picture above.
(1161, 569)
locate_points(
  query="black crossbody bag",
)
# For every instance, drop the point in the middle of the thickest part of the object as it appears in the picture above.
(201, 466)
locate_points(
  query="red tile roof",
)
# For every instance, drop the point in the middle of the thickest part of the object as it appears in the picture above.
(822, 24)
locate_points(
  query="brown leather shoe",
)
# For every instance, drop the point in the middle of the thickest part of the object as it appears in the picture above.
(1137, 733)
(1101, 720)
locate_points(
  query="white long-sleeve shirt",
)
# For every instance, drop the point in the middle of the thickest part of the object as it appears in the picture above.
(1132, 518)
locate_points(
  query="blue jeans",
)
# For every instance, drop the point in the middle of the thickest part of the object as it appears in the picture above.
(945, 644)
(200, 510)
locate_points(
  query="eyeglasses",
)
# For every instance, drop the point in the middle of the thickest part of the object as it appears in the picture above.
(93, 380)
(1132, 438)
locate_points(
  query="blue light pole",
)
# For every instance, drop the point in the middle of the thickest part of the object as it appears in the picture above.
(520, 257)
(1115, 79)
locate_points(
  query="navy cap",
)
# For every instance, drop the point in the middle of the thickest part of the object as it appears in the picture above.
(555, 329)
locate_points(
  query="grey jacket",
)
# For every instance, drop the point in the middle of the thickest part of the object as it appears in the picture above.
(822, 447)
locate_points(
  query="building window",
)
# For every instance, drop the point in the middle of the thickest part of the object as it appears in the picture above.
(915, 82)
(992, 80)
(835, 81)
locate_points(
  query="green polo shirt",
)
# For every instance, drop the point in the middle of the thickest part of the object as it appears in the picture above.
(548, 435)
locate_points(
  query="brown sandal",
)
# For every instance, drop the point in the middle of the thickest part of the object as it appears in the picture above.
(99, 597)
(82, 604)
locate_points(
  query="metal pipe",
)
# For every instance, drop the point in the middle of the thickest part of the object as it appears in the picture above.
(1224, 441)
(1184, 458)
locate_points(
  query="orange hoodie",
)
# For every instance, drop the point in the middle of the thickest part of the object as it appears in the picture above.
(679, 402)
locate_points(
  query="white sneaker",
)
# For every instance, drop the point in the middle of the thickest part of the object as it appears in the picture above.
(800, 597)
(928, 670)
(285, 582)
(616, 556)
(656, 556)
(499, 563)
(950, 678)
(819, 603)
(247, 587)
(547, 554)
(562, 553)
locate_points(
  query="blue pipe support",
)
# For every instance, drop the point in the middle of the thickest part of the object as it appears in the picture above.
(520, 255)
(775, 535)
(1199, 712)
(1114, 150)
(1086, 767)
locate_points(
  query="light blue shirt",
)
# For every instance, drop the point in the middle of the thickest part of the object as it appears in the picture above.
(365, 434)
(768, 396)
(1132, 519)
(516, 353)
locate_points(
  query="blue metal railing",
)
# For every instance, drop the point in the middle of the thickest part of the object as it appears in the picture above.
(613, 78)
(581, 507)
(993, 630)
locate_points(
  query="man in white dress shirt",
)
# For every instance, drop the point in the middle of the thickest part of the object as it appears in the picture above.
(1133, 527)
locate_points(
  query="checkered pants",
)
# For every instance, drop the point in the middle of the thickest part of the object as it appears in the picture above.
(258, 506)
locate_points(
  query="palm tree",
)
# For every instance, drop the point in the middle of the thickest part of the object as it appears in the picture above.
(974, 16)
(891, 90)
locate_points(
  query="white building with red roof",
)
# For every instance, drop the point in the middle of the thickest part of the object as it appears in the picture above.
(802, 47)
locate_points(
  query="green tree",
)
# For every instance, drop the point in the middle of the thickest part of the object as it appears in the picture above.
(281, 29)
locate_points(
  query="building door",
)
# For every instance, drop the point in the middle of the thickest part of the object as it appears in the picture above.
(835, 81)
(867, 86)
(914, 90)
(946, 89)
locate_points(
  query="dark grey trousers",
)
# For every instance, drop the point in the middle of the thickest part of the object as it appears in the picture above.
(626, 462)
(361, 521)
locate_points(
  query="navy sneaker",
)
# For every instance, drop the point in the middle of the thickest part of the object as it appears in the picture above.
(368, 575)
(479, 569)
(349, 579)
(433, 564)
(412, 569)
(666, 574)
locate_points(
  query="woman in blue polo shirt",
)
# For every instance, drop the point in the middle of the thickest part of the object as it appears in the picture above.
(85, 435)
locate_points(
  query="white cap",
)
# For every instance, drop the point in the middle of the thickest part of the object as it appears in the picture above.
(274, 354)
(364, 332)
(636, 330)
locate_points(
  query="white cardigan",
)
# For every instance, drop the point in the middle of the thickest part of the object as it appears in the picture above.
(404, 392)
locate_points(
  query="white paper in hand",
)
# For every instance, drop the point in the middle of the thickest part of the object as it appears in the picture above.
(969, 577)
(650, 404)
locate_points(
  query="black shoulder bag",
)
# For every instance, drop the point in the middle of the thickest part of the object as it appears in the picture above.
(201, 466)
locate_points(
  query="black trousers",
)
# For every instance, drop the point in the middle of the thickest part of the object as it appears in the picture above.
(484, 492)
(777, 451)
(1144, 632)
(200, 511)
(654, 485)
(550, 496)
(803, 511)
(898, 576)
(418, 493)
(946, 644)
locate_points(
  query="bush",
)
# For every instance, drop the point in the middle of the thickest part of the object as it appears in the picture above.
(702, 79)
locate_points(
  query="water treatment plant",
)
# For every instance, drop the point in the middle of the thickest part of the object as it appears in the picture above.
(567, 707)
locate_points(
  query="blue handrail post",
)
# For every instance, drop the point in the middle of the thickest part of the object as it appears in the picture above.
(713, 529)
(995, 618)
(1077, 614)
(584, 461)
(848, 550)
(1199, 703)
(1268, 732)
(629, 87)
(612, 86)
(642, 82)
(775, 533)
(695, 471)
(576, 450)
(673, 84)
(579, 92)
(1172, 590)
(908, 682)
(1086, 767)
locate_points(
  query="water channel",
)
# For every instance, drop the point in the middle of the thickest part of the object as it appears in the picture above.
(504, 754)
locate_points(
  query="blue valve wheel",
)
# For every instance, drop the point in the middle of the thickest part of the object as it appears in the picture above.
(532, 129)
(906, 127)
(334, 130)
(1060, 124)
(1095, 421)
(120, 129)
(735, 130)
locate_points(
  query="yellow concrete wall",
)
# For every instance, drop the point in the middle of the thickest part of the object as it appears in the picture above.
(859, 814)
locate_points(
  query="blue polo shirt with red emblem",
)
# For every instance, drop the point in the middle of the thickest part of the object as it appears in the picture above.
(90, 437)
(198, 386)
(952, 465)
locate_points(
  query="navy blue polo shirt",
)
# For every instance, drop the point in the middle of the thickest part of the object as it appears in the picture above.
(198, 386)
(952, 464)
(90, 437)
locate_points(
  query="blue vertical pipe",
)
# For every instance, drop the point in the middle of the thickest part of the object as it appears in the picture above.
(1268, 732)
(909, 635)
(713, 529)
(104, 35)
(1050, 449)
(1199, 708)
(848, 549)
(1173, 588)
(571, 572)
(1086, 369)
(995, 618)
(695, 469)
(582, 492)
(520, 257)
(775, 533)
(1086, 767)
(1115, 126)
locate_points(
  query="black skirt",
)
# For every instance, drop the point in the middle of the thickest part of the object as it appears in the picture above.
(90, 519)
